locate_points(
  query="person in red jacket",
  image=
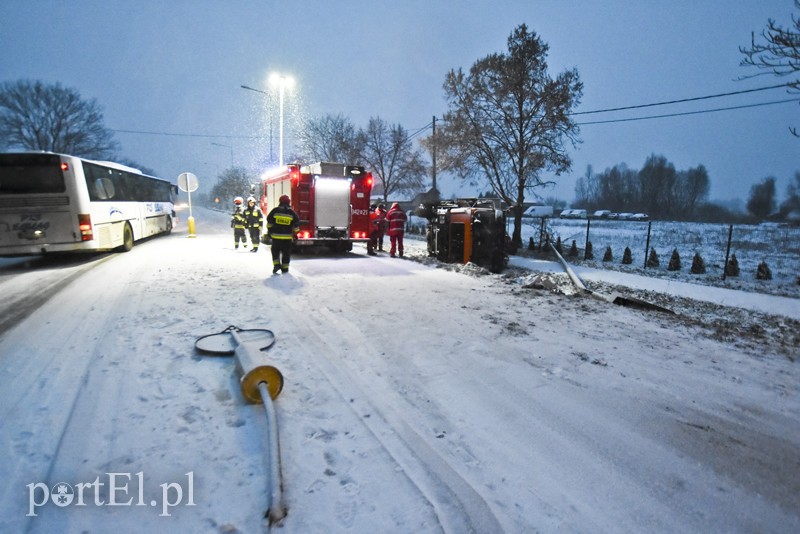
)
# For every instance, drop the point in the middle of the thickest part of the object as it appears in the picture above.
(380, 213)
(374, 225)
(397, 227)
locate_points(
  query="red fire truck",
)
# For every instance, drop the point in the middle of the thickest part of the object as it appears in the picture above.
(332, 200)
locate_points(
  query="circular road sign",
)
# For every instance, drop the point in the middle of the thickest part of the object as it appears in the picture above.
(188, 182)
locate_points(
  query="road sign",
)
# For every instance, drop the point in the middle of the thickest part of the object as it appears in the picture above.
(188, 182)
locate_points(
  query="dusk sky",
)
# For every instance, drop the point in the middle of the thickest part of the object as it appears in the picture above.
(167, 74)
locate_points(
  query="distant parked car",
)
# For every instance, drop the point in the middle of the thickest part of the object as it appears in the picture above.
(625, 216)
(538, 211)
(573, 214)
(640, 217)
(601, 214)
(613, 215)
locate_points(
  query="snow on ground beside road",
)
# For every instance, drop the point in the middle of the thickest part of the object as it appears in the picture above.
(416, 399)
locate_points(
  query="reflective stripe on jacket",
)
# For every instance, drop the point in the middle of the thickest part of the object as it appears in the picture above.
(253, 217)
(238, 220)
(283, 223)
(397, 221)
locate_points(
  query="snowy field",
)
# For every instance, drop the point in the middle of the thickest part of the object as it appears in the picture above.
(776, 244)
(417, 398)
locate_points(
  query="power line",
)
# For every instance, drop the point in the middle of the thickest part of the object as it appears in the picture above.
(691, 112)
(191, 135)
(420, 130)
(640, 106)
(693, 99)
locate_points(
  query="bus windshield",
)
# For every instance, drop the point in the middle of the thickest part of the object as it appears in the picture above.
(30, 173)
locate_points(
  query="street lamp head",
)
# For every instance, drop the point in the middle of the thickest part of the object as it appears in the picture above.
(253, 89)
(277, 78)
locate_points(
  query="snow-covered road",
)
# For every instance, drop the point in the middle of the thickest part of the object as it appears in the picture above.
(416, 399)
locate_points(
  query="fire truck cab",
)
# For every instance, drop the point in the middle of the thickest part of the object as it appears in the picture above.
(332, 200)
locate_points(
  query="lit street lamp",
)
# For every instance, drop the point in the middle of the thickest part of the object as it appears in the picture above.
(282, 82)
(269, 110)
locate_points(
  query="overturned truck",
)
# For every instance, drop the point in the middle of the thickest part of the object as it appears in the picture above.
(467, 230)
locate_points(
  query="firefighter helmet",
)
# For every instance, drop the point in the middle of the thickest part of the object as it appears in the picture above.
(238, 201)
(251, 199)
(284, 200)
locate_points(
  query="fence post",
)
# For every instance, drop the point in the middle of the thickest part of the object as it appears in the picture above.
(541, 233)
(727, 252)
(586, 246)
(647, 245)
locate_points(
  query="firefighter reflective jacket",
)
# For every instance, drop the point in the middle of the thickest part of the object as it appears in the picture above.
(238, 220)
(253, 217)
(282, 222)
(397, 220)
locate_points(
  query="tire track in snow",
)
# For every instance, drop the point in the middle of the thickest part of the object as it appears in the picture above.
(17, 308)
(459, 507)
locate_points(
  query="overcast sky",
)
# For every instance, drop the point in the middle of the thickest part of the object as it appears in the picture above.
(175, 67)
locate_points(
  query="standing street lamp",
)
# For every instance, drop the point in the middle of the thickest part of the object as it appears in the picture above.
(282, 82)
(269, 111)
(226, 146)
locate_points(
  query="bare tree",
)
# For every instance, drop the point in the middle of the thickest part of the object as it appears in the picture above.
(790, 208)
(691, 191)
(391, 156)
(331, 138)
(761, 202)
(508, 120)
(779, 53)
(36, 116)
(233, 182)
(657, 180)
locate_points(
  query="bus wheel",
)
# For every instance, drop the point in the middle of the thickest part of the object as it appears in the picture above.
(169, 225)
(127, 238)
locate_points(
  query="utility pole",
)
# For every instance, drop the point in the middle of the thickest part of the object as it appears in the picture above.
(433, 154)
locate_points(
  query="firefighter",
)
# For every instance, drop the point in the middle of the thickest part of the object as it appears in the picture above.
(382, 224)
(374, 230)
(282, 225)
(397, 226)
(238, 223)
(253, 222)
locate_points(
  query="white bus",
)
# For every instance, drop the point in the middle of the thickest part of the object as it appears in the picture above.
(56, 203)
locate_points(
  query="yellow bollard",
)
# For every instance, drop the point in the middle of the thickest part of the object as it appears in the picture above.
(191, 226)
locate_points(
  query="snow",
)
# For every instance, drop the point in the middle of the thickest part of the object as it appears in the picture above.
(417, 397)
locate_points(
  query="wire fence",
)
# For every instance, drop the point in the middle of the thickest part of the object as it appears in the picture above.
(777, 245)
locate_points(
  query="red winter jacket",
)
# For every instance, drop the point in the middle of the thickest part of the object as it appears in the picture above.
(397, 221)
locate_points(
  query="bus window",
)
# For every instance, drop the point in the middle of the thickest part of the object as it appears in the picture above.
(103, 189)
(22, 174)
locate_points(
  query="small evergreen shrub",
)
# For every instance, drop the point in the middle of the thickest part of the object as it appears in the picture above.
(627, 257)
(698, 264)
(573, 250)
(608, 256)
(531, 245)
(763, 272)
(674, 261)
(652, 260)
(733, 266)
(559, 246)
(588, 254)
